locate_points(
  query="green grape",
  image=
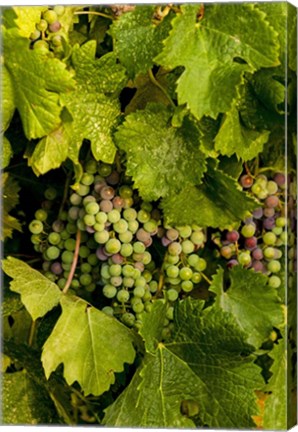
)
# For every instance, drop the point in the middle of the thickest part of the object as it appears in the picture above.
(197, 237)
(146, 258)
(116, 281)
(143, 216)
(185, 273)
(274, 281)
(269, 252)
(64, 234)
(139, 291)
(281, 222)
(277, 230)
(174, 248)
(105, 169)
(71, 228)
(130, 214)
(172, 259)
(89, 219)
(104, 271)
(52, 252)
(196, 278)
(86, 267)
(126, 237)
(92, 260)
(150, 226)
(67, 257)
(91, 166)
(83, 190)
(92, 208)
(184, 231)
(59, 10)
(123, 296)
(50, 193)
(147, 275)
(248, 230)
(193, 260)
(85, 279)
(41, 215)
(125, 192)
(35, 239)
(140, 280)
(101, 217)
(126, 250)
(147, 206)
(36, 226)
(138, 307)
(56, 41)
(172, 294)
(66, 266)
(148, 306)
(121, 226)
(113, 246)
(109, 291)
(50, 276)
(139, 247)
(84, 251)
(153, 286)
(54, 238)
(101, 237)
(187, 285)
(133, 226)
(244, 258)
(187, 247)
(42, 26)
(128, 270)
(35, 35)
(274, 266)
(201, 265)
(75, 284)
(115, 269)
(114, 216)
(50, 16)
(172, 271)
(70, 244)
(128, 319)
(108, 310)
(170, 313)
(99, 227)
(269, 238)
(61, 283)
(272, 187)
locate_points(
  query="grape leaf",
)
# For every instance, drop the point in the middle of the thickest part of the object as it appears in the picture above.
(27, 18)
(217, 203)
(161, 159)
(152, 325)
(215, 53)
(38, 82)
(10, 199)
(7, 103)
(10, 303)
(275, 415)
(137, 39)
(253, 303)
(210, 364)
(7, 152)
(233, 138)
(25, 402)
(293, 43)
(38, 294)
(91, 345)
(93, 106)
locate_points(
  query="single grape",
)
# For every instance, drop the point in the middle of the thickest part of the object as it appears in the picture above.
(56, 268)
(272, 187)
(113, 246)
(196, 277)
(106, 206)
(172, 271)
(258, 213)
(36, 226)
(232, 236)
(143, 235)
(187, 285)
(274, 281)
(269, 223)
(107, 193)
(227, 251)
(251, 243)
(55, 27)
(126, 250)
(244, 259)
(117, 258)
(274, 266)
(201, 265)
(269, 212)
(269, 238)
(92, 208)
(172, 294)
(125, 191)
(109, 291)
(187, 246)
(41, 215)
(67, 257)
(42, 25)
(108, 310)
(114, 216)
(58, 226)
(280, 179)
(272, 201)
(101, 237)
(138, 307)
(248, 230)
(174, 248)
(246, 181)
(128, 319)
(54, 238)
(50, 16)
(232, 263)
(52, 252)
(281, 222)
(35, 35)
(257, 254)
(258, 266)
(185, 231)
(172, 234)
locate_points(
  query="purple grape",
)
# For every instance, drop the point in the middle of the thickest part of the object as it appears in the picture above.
(246, 181)
(113, 178)
(99, 185)
(107, 193)
(118, 202)
(165, 241)
(258, 213)
(54, 27)
(143, 235)
(172, 234)
(232, 236)
(280, 179)
(257, 254)
(56, 268)
(269, 223)
(58, 226)
(148, 242)
(251, 243)
(106, 206)
(232, 263)
(226, 252)
(272, 201)
(117, 258)
(138, 265)
(101, 254)
(90, 229)
(258, 266)
(269, 212)
(73, 212)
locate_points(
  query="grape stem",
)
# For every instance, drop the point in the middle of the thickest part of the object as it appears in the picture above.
(206, 278)
(74, 262)
(94, 13)
(161, 88)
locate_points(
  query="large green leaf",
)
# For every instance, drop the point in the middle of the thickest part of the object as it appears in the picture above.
(233, 137)
(254, 304)
(215, 52)
(160, 158)
(275, 415)
(137, 39)
(94, 107)
(7, 102)
(91, 345)
(152, 325)
(37, 81)
(208, 363)
(38, 293)
(218, 202)
(24, 402)
(27, 18)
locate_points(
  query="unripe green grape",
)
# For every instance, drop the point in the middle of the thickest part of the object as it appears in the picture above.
(59, 10)
(35, 35)
(172, 295)
(50, 16)
(172, 259)
(201, 265)
(36, 226)
(128, 319)
(116, 281)
(50, 276)
(274, 281)
(114, 216)
(41, 215)
(248, 230)
(105, 169)
(126, 250)
(70, 244)
(281, 222)
(82, 190)
(147, 275)
(126, 237)
(272, 187)
(99, 227)
(50, 193)
(139, 291)
(101, 217)
(125, 192)
(104, 271)
(92, 208)
(172, 271)
(108, 310)
(196, 278)
(92, 260)
(75, 284)
(84, 251)
(85, 267)
(121, 226)
(269, 238)
(52, 252)
(187, 285)
(170, 313)
(89, 219)
(193, 259)
(277, 230)
(150, 226)
(263, 194)
(173, 281)
(184, 231)
(143, 216)
(56, 41)
(115, 269)
(35, 239)
(244, 258)
(147, 258)
(147, 206)
(174, 248)
(81, 225)
(274, 266)
(256, 189)
(187, 247)
(269, 252)
(185, 273)
(138, 307)
(86, 200)
(123, 296)
(66, 266)
(61, 283)
(128, 270)
(67, 257)
(101, 237)
(139, 247)
(153, 286)
(197, 237)
(109, 291)
(71, 228)
(54, 238)
(284, 237)
(42, 25)
(130, 214)
(133, 226)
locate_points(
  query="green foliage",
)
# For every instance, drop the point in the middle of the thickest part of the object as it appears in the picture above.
(10, 200)
(91, 345)
(38, 294)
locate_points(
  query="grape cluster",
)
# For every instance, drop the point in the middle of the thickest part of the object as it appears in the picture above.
(47, 35)
(261, 239)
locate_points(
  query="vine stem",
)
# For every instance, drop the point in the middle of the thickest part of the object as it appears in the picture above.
(161, 88)
(94, 13)
(32, 332)
(74, 262)
(206, 278)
